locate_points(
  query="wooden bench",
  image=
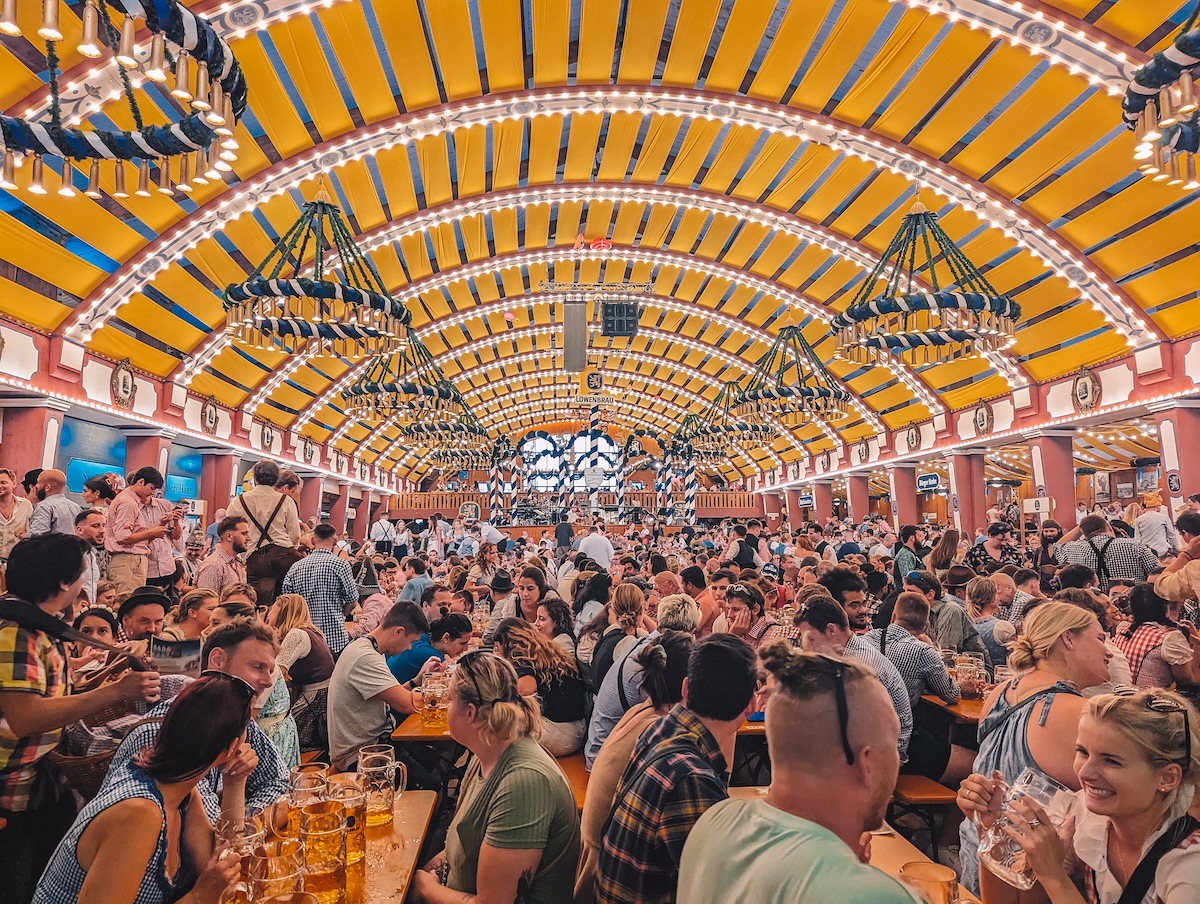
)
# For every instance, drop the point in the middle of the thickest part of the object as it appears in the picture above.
(574, 767)
(923, 797)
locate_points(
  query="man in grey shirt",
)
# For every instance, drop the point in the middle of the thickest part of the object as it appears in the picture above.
(54, 513)
(622, 687)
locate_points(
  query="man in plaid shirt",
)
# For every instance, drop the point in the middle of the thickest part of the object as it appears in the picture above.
(327, 585)
(1112, 558)
(677, 772)
(45, 571)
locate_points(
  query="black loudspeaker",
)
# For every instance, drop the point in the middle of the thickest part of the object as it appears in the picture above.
(575, 338)
(619, 318)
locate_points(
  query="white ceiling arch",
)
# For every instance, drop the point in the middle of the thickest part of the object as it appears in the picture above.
(1035, 237)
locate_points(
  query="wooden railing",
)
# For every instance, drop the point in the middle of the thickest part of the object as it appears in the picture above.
(728, 502)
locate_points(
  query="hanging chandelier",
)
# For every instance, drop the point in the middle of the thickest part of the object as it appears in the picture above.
(1162, 109)
(277, 308)
(921, 327)
(460, 459)
(406, 385)
(207, 83)
(463, 434)
(790, 383)
(719, 430)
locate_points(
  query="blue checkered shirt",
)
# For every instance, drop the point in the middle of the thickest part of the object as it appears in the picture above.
(327, 585)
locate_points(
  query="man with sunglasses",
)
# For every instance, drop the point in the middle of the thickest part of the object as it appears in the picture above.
(676, 773)
(833, 738)
(824, 629)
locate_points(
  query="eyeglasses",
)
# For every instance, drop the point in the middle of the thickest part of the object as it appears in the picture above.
(1159, 704)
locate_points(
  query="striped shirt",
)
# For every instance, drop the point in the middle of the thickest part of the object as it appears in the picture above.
(220, 570)
(862, 649)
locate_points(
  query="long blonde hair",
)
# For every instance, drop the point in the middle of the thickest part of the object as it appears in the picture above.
(1041, 630)
(290, 611)
(489, 683)
(628, 603)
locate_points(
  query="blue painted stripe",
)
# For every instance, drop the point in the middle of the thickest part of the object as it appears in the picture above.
(281, 72)
(175, 308)
(27, 216)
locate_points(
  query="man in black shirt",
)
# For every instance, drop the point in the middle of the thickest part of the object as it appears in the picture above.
(564, 536)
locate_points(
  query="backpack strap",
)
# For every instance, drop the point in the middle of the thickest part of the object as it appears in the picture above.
(1142, 876)
(625, 704)
(262, 531)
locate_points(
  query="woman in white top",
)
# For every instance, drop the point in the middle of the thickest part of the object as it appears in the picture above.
(1137, 758)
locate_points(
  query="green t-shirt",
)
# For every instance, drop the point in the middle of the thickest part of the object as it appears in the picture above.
(747, 850)
(525, 804)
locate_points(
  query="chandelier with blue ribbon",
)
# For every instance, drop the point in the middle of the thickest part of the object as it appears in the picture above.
(960, 316)
(406, 385)
(279, 308)
(790, 383)
(716, 433)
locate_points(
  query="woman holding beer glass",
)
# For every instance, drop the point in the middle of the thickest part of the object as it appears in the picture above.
(1137, 759)
(516, 827)
(145, 838)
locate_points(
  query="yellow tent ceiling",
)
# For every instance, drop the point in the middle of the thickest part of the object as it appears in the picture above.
(741, 229)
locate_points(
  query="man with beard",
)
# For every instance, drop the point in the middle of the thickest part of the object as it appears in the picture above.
(1044, 562)
(54, 513)
(223, 567)
(791, 845)
(143, 615)
(89, 527)
(850, 592)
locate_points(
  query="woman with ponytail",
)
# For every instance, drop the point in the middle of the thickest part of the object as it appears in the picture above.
(515, 829)
(1030, 721)
(664, 666)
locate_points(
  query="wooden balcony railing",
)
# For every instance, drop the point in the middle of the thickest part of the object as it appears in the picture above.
(736, 503)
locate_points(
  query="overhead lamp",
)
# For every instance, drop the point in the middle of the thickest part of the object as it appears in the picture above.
(89, 43)
(127, 46)
(8, 19)
(143, 186)
(119, 181)
(66, 186)
(156, 68)
(183, 77)
(50, 30)
(93, 186)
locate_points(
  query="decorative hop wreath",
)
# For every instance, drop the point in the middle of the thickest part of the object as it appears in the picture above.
(181, 27)
(1165, 69)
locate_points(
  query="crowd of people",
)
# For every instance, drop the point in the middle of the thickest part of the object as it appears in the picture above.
(643, 649)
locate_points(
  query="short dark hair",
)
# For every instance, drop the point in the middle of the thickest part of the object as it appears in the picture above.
(431, 591)
(39, 567)
(926, 580)
(416, 563)
(739, 530)
(1092, 525)
(1024, 576)
(29, 481)
(151, 477)
(908, 531)
(230, 522)
(821, 612)
(287, 478)
(1189, 523)
(841, 580)
(265, 472)
(724, 574)
(233, 634)
(694, 576)
(750, 593)
(877, 581)
(453, 623)
(84, 514)
(324, 532)
(722, 677)
(1075, 576)
(912, 611)
(408, 616)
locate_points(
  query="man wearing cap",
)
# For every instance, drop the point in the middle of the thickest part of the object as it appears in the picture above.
(1154, 527)
(327, 584)
(143, 614)
(950, 627)
(503, 603)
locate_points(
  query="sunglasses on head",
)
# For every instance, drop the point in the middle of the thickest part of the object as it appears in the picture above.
(237, 682)
(1159, 704)
(843, 707)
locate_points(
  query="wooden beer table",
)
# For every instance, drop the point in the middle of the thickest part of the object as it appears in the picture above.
(969, 712)
(413, 729)
(393, 848)
(889, 849)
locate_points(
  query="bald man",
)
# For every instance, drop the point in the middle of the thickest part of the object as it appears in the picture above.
(54, 513)
(830, 725)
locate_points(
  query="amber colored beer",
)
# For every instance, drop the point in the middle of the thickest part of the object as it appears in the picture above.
(356, 882)
(282, 885)
(238, 893)
(327, 881)
(353, 801)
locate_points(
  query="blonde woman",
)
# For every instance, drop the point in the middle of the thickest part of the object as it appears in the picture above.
(544, 670)
(624, 616)
(305, 655)
(192, 616)
(983, 606)
(1137, 759)
(515, 831)
(1032, 720)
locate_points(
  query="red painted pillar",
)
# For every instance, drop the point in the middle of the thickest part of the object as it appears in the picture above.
(148, 447)
(822, 502)
(31, 432)
(795, 511)
(903, 480)
(362, 517)
(1053, 459)
(337, 513)
(858, 493)
(310, 496)
(1178, 425)
(968, 493)
(218, 477)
